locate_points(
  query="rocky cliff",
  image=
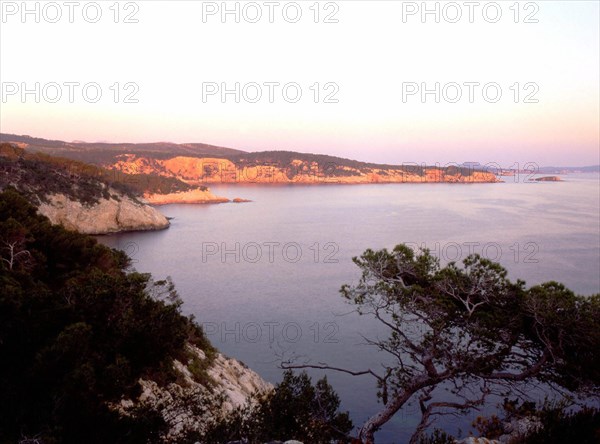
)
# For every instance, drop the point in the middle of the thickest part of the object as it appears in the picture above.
(190, 406)
(115, 214)
(197, 196)
(206, 170)
(198, 163)
(71, 196)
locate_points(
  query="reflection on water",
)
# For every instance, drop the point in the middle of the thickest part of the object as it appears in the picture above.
(264, 277)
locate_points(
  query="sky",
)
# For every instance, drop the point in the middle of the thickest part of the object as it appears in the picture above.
(505, 82)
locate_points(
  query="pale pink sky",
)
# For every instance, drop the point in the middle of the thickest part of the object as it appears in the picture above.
(369, 54)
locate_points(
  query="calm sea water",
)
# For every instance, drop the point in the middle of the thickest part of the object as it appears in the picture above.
(263, 277)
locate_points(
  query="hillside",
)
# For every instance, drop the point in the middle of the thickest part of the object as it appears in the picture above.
(74, 195)
(290, 168)
(101, 153)
(93, 352)
(197, 164)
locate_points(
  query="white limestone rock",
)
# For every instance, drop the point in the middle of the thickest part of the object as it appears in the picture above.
(107, 216)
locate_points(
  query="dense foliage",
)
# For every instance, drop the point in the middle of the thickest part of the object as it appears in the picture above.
(558, 426)
(77, 331)
(552, 423)
(294, 410)
(460, 335)
(38, 174)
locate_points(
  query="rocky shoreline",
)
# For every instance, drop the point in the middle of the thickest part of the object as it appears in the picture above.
(116, 214)
(196, 196)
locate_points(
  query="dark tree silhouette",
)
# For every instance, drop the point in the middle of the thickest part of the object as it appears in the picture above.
(468, 331)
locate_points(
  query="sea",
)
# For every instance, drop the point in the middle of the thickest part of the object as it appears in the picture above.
(263, 277)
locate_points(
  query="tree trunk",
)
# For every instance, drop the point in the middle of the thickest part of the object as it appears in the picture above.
(367, 432)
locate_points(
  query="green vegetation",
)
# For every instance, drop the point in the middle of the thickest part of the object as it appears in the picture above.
(523, 423)
(294, 410)
(148, 183)
(39, 174)
(77, 331)
(559, 426)
(553, 423)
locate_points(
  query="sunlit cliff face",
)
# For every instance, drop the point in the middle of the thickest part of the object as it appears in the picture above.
(214, 170)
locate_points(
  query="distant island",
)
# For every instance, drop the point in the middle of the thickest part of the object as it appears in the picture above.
(548, 179)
